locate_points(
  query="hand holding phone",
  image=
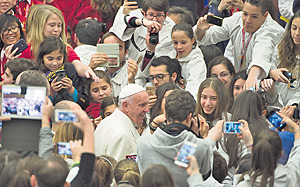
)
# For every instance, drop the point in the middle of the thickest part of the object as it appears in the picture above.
(276, 120)
(60, 75)
(150, 90)
(21, 45)
(112, 52)
(187, 150)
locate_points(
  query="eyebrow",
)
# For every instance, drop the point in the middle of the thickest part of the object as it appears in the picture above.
(251, 14)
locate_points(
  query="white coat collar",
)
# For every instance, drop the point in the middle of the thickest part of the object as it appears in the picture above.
(127, 122)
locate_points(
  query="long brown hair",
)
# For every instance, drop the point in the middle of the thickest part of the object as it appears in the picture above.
(287, 48)
(267, 147)
(108, 10)
(222, 98)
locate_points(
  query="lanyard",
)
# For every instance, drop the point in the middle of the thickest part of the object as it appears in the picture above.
(245, 47)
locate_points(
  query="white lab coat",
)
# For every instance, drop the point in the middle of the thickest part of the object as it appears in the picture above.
(121, 29)
(193, 70)
(116, 136)
(261, 45)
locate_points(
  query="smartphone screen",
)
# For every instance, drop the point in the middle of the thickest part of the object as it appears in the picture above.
(232, 127)
(188, 149)
(63, 148)
(275, 119)
(65, 116)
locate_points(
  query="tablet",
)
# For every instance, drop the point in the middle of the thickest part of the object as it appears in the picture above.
(23, 102)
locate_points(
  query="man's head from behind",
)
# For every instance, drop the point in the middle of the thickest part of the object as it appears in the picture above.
(50, 173)
(179, 105)
(14, 67)
(255, 13)
(164, 70)
(88, 31)
(133, 101)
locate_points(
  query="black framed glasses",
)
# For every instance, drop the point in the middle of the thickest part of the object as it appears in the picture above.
(14, 29)
(158, 77)
(152, 16)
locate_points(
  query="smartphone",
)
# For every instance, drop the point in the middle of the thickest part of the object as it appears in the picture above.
(63, 148)
(232, 127)
(133, 1)
(21, 45)
(188, 149)
(132, 157)
(24, 102)
(275, 119)
(150, 90)
(65, 116)
(112, 51)
(214, 20)
(296, 114)
(60, 75)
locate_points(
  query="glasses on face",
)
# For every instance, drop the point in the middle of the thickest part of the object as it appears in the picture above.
(222, 74)
(158, 77)
(14, 29)
(151, 16)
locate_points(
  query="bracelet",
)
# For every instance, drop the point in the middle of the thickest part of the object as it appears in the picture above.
(155, 123)
(151, 127)
(297, 130)
(75, 164)
(248, 146)
(142, 20)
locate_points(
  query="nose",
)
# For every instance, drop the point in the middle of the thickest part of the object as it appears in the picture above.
(155, 81)
(208, 102)
(101, 92)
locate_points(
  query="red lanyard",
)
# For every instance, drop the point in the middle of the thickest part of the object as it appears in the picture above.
(245, 47)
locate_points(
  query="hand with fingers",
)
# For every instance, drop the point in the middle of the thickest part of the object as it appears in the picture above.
(278, 76)
(129, 6)
(55, 87)
(268, 85)
(288, 110)
(98, 58)
(11, 54)
(246, 135)
(68, 85)
(132, 69)
(77, 149)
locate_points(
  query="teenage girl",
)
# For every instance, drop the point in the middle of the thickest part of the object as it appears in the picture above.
(51, 58)
(189, 56)
(212, 100)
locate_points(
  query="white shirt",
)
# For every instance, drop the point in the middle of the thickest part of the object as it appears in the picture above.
(193, 70)
(116, 136)
(261, 45)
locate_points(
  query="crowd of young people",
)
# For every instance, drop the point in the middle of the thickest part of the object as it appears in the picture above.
(176, 80)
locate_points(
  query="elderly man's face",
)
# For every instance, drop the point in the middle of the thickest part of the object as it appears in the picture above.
(138, 107)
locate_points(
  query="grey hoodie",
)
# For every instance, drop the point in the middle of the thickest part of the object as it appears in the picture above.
(162, 148)
(285, 175)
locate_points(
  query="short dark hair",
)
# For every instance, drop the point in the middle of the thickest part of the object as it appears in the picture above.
(88, 31)
(179, 104)
(158, 5)
(186, 16)
(107, 101)
(263, 4)
(220, 60)
(18, 65)
(34, 78)
(106, 35)
(171, 64)
(51, 172)
(209, 52)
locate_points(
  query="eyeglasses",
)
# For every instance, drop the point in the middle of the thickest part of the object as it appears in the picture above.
(14, 29)
(158, 77)
(158, 16)
(222, 74)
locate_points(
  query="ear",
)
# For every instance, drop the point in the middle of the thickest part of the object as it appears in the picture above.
(125, 106)
(126, 52)
(266, 14)
(173, 77)
(75, 38)
(193, 40)
(144, 13)
(33, 181)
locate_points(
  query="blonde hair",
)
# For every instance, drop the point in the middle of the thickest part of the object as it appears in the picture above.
(127, 170)
(35, 24)
(65, 133)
